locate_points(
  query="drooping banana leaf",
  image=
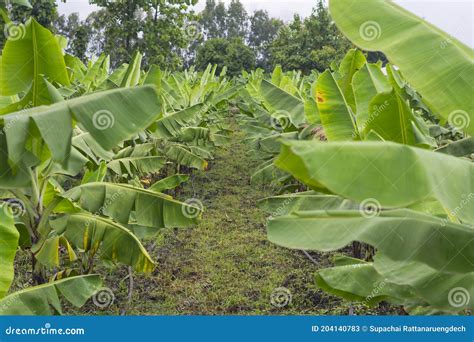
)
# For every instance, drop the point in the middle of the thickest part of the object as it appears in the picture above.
(44, 300)
(460, 148)
(127, 204)
(105, 115)
(440, 67)
(8, 245)
(170, 126)
(304, 201)
(389, 166)
(92, 232)
(181, 155)
(403, 235)
(279, 101)
(168, 183)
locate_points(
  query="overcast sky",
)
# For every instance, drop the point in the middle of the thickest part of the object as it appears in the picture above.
(454, 17)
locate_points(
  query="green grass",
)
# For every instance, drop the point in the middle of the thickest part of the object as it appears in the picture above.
(225, 265)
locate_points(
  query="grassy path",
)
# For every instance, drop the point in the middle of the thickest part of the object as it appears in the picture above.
(226, 265)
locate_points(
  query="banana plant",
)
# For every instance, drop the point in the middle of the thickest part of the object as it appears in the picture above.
(377, 180)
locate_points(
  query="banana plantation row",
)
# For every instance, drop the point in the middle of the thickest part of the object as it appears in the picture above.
(378, 158)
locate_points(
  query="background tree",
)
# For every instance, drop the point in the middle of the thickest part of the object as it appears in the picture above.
(77, 32)
(237, 20)
(312, 43)
(263, 31)
(153, 26)
(233, 54)
(45, 12)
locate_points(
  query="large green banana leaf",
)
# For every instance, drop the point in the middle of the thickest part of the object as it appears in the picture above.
(438, 66)
(304, 201)
(44, 300)
(352, 62)
(127, 204)
(392, 119)
(107, 116)
(27, 60)
(366, 83)
(171, 125)
(280, 102)
(92, 232)
(335, 113)
(358, 170)
(168, 183)
(403, 235)
(182, 156)
(8, 245)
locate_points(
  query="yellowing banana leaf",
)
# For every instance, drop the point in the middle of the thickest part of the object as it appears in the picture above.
(8, 245)
(358, 170)
(438, 65)
(92, 232)
(44, 300)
